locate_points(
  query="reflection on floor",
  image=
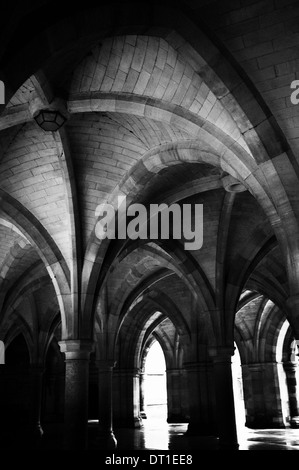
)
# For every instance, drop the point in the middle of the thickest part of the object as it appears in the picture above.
(157, 434)
(269, 439)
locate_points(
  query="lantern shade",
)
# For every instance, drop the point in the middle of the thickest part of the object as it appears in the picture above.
(50, 120)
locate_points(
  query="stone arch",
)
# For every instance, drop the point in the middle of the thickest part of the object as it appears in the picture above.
(97, 250)
(192, 37)
(24, 287)
(151, 336)
(272, 326)
(48, 251)
(55, 325)
(184, 266)
(178, 261)
(217, 67)
(166, 307)
(19, 328)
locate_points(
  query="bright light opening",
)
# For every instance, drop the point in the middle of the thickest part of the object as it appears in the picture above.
(155, 391)
(284, 396)
(238, 391)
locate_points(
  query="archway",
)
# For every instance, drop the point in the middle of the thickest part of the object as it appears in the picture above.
(155, 392)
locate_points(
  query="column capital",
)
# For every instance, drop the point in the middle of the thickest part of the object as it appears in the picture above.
(76, 348)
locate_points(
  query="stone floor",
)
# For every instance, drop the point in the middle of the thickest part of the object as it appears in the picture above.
(157, 435)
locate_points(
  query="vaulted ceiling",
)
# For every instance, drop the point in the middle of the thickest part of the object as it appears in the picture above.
(164, 102)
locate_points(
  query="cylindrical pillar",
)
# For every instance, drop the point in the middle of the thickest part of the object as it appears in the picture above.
(106, 438)
(262, 395)
(76, 393)
(201, 397)
(225, 405)
(290, 371)
(126, 398)
(175, 391)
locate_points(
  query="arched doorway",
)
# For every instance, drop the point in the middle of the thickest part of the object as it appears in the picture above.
(155, 388)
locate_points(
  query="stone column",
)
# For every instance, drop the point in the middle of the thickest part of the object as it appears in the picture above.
(290, 371)
(174, 396)
(76, 393)
(225, 405)
(142, 405)
(126, 396)
(106, 438)
(262, 395)
(201, 395)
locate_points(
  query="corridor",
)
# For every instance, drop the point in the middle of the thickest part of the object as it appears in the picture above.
(149, 176)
